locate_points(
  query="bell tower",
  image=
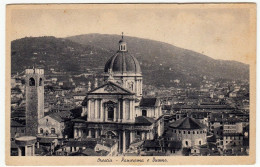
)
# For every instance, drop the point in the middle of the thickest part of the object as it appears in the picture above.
(34, 83)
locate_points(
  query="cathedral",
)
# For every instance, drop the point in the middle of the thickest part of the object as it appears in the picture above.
(117, 108)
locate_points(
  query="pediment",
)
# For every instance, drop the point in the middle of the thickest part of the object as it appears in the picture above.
(110, 88)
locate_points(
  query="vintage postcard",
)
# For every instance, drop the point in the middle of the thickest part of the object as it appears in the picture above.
(130, 84)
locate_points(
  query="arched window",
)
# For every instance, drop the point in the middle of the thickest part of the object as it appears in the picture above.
(31, 82)
(110, 114)
(40, 82)
(199, 142)
(186, 143)
(41, 130)
(52, 130)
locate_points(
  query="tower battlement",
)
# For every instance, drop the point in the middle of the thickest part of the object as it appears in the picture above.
(34, 71)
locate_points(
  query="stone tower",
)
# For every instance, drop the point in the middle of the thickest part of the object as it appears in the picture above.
(34, 99)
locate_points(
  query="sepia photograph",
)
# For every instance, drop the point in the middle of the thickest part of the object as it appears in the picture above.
(130, 84)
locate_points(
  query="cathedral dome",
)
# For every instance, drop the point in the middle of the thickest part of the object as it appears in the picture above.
(123, 62)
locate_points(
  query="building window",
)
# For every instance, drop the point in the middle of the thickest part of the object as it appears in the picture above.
(110, 115)
(199, 142)
(193, 132)
(188, 132)
(40, 82)
(41, 130)
(52, 130)
(187, 143)
(144, 113)
(31, 82)
(184, 132)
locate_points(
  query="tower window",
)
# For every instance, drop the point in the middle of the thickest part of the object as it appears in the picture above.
(31, 82)
(41, 130)
(40, 82)
(187, 143)
(144, 113)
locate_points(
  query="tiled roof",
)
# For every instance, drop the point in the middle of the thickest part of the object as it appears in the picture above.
(187, 123)
(61, 116)
(148, 102)
(144, 120)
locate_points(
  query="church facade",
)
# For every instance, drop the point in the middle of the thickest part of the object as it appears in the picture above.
(117, 109)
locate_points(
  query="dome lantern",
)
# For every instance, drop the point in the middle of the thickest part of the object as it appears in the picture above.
(122, 44)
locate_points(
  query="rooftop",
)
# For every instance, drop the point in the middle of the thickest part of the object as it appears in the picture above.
(187, 123)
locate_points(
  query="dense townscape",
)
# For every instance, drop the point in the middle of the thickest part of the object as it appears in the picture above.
(115, 114)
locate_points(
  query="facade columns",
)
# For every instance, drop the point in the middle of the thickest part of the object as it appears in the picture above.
(101, 111)
(19, 151)
(33, 149)
(105, 115)
(131, 136)
(88, 109)
(143, 135)
(89, 133)
(115, 110)
(123, 110)
(79, 132)
(96, 133)
(26, 151)
(75, 133)
(95, 110)
(124, 142)
(119, 111)
(119, 142)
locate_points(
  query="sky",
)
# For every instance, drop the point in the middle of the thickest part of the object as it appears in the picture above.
(220, 32)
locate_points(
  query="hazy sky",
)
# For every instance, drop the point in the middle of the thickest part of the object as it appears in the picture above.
(221, 33)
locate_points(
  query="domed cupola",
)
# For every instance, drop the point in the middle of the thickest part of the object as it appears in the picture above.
(124, 69)
(122, 61)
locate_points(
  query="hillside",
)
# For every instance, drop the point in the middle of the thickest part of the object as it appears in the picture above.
(168, 61)
(160, 62)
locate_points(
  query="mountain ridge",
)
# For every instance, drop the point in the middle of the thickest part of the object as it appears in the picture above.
(159, 60)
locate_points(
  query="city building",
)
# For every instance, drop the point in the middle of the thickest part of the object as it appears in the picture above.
(117, 109)
(189, 131)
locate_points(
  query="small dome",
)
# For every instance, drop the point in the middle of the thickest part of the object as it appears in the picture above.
(123, 62)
